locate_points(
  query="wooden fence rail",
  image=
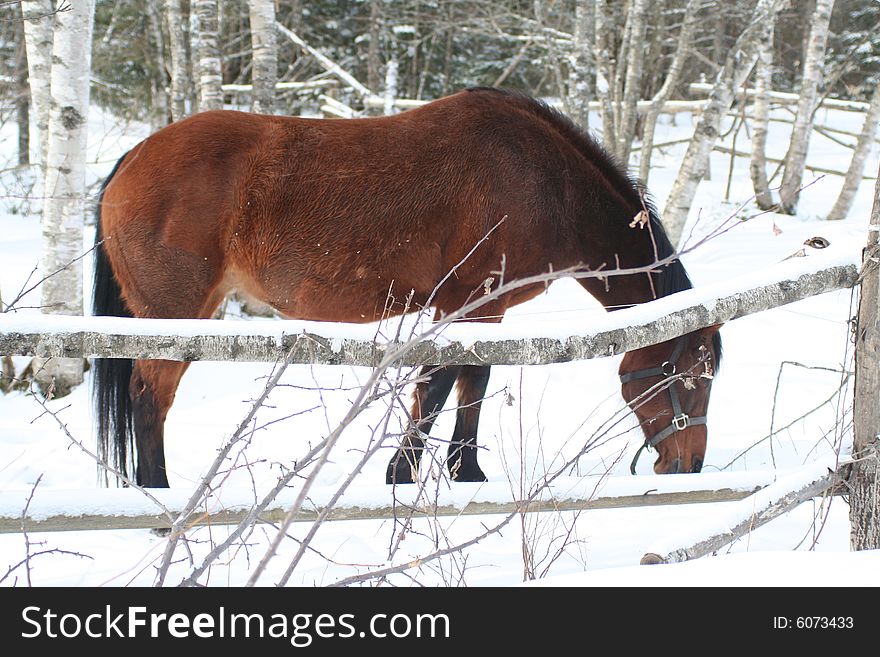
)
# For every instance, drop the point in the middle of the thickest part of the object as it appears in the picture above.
(127, 508)
(477, 344)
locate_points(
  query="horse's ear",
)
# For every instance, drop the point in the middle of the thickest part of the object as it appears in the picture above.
(708, 335)
(710, 338)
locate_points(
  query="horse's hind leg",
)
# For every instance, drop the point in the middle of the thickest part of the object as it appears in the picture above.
(431, 394)
(472, 383)
(153, 387)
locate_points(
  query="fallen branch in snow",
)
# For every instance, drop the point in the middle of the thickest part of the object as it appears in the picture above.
(285, 86)
(357, 345)
(643, 106)
(814, 480)
(325, 61)
(784, 98)
(833, 172)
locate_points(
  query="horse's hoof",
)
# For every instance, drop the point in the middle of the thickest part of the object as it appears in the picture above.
(399, 471)
(461, 472)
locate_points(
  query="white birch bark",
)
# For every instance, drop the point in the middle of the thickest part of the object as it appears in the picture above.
(688, 27)
(38, 18)
(207, 49)
(174, 22)
(857, 165)
(760, 124)
(64, 207)
(390, 86)
(736, 69)
(633, 79)
(580, 88)
(264, 70)
(814, 58)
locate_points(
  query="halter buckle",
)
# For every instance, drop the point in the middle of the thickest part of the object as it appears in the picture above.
(667, 368)
(680, 422)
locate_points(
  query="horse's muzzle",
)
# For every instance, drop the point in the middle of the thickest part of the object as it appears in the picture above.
(677, 466)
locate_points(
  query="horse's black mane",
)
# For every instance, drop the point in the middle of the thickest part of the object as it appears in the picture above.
(669, 279)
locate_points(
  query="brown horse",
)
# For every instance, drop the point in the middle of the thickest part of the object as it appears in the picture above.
(328, 219)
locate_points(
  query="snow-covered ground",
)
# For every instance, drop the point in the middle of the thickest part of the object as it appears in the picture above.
(781, 370)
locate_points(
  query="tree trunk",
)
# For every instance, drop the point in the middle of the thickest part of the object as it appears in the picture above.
(760, 124)
(864, 498)
(210, 78)
(605, 74)
(580, 88)
(814, 60)
(22, 97)
(159, 109)
(633, 81)
(737, 67)
(264, 69)
(64, 206)
(857, 164)
(390, 86)
(38, 18)
(682, 49)
(374, 62)
(174, 21)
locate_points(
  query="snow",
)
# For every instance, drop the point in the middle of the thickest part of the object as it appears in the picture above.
(774, 416)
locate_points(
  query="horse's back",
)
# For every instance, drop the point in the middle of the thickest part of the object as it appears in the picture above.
(296, 209)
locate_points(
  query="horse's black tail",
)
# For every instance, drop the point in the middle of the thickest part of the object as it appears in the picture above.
(111, 376)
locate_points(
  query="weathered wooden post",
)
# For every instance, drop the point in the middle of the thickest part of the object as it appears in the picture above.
(864, 512)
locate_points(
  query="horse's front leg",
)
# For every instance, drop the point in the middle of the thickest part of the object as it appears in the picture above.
(472, 383)
(434, 386)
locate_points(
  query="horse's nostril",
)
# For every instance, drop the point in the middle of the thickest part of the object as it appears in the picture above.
(676, 467)
(697, 465)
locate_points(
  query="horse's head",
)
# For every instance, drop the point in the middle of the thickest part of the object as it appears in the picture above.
(667, 385)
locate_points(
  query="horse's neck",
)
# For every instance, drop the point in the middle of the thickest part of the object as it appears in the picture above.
(618, 292)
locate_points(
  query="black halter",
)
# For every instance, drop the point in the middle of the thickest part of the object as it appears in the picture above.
(680, 420)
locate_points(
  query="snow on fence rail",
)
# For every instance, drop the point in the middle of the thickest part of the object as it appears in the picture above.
(476, 344)
(64, 510)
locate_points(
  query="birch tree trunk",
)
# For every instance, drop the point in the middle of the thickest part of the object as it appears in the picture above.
(737, 66)
(760, 124)
(38, 18)
(633, 82)
(814, 58)
(580, 88)
(207, 52)
(864, 481)
(264, 71)
(857, 164)
(391, 69)
(174, 22)
(688, 27)
(64, 207)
